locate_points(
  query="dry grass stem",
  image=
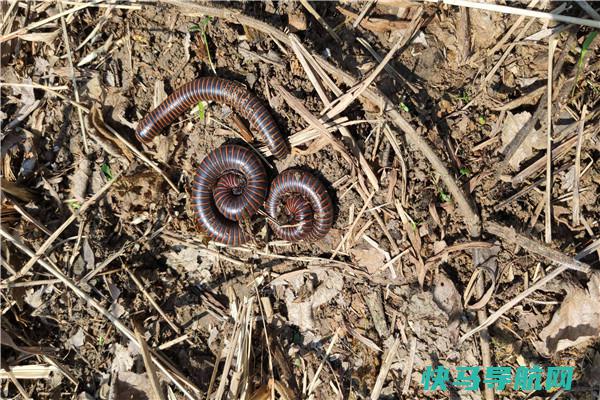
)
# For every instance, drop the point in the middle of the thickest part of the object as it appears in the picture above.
(315, 380)
(548, 213)
(153, 302)
(147, 358)
(73, 80)
(320, 19)
(525, 12)
(554, 256)
(410, 366)
(385, 369)
(42, 22)
(577, 175)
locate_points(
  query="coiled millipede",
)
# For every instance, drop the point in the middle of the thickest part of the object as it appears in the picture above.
(230, 184)
(306, 202)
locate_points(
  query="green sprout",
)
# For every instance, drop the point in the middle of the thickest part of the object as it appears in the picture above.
(107, 171)
(465, 171)
(444, 197)
(481, 120)
(201, 28)
(201, 110)
(100, 340)
(73, 204)
(404, 107)
(584, 49)
(465, 96)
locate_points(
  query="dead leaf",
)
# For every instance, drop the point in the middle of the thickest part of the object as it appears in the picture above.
(79, 180)
(34, 297)
(187, 259)
(368, 257)
(46, 37)
(129, 385)
(77, 340)
(448, 300)
(576, 321)
(535, 140)
(123, 360)
(109, 142)
(378, 25)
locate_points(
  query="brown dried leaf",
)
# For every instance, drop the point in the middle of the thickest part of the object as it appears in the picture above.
(448, 299)
(368, 257)
(535, 140)
(576, 321)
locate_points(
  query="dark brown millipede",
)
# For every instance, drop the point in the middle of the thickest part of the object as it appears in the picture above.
(307, 203)
(222, 91)
(230, 184)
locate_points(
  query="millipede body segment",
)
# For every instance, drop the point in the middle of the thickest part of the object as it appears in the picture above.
(222, 91)
(230, 185)
(305, 201)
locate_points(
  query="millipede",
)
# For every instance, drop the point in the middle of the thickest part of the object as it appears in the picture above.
(306, 202)
(230, 184)
(222, 91)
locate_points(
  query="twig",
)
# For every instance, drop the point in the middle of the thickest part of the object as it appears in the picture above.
(318, 17)
(576, 219)
(388, 67)
(548, 213)
(363, 12)
(94, 304)
(313, 383)
(588, 9)
(80, 211)
(140, 286)
(411, 363)
(554, 256)
(521, 11)
(385, 368)
(86, 147)
(147, 357)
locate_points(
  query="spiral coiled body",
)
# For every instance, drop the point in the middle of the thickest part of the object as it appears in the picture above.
(222, 91)
(307, 203)
(229, 186)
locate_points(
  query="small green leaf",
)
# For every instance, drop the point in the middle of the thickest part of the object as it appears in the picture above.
(404, 107)
(101, 340)
(201, 111)
(195, 28)
(107, 172)
(73, 204)
(465, 171)
(444, 197)
(481, 120)
(585, 46)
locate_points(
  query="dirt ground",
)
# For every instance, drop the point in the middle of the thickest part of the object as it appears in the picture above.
(444, 221)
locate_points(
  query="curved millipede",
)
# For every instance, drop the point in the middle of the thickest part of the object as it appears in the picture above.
(307, 203)
(230, 185)
(222, 91)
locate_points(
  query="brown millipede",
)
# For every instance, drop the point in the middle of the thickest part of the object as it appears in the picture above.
(307, 203)
(230, 184)
(220, 90)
